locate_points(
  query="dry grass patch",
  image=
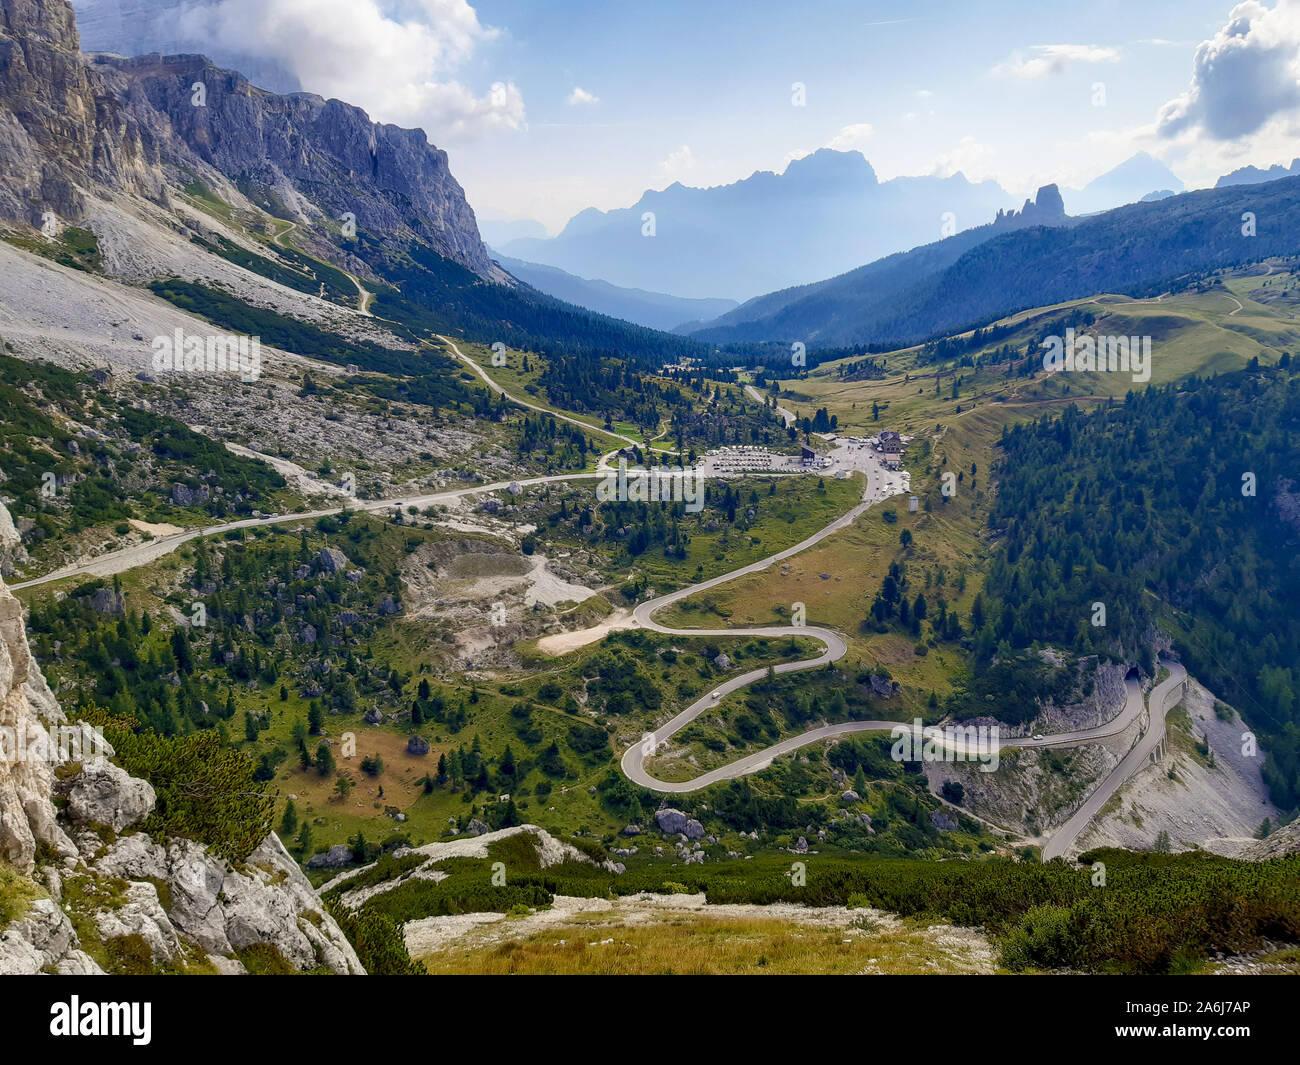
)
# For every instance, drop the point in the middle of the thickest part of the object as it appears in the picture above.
(705, 944)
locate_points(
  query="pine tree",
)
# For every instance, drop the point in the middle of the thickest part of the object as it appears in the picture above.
(289, 823)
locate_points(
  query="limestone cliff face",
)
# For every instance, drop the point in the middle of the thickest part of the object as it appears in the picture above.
(169, 907)
(310, 152)
(27, 812)
(72, 126)
(60, 134)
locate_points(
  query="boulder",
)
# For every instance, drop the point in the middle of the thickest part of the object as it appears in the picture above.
(942, 821)
(337, 856)
(671, 821)
(418, 746)
(185, 496)
(332, 560)
(103, 793)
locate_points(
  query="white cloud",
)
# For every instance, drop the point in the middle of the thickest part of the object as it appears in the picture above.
(1243, 77)
(580, 97)
(850, 137)
(1043, 59)
(970, 158)
(398, 68)
(678, 164)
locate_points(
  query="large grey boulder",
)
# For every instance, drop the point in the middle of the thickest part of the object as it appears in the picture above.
(332, 560)
(671, 821)
(337, 856)
(105, 794)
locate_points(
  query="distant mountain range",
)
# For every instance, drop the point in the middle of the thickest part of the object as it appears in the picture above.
(983, 274)
(1253, 175)
(653, 309)
(499, 232)
(826, 213)
(1130, 182)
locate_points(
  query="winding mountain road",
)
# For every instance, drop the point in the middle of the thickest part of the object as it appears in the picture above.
(1163, 696)
(788, 416)
(834, 644)
(127, 558)
(524, 403)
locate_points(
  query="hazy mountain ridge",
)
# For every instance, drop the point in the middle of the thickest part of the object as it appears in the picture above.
(826, 213)
(654, 309)
(1253, 175)
(1129, 182)
(981, 275)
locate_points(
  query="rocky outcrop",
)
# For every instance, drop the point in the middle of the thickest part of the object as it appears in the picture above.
(1278, 844)
(316, 156)
(43, 940)
(71, 123)
(550, 852)
(27, 812)
(12, 553)
(60, 133)
(223, 909)
(173, 904)
(1047, 208)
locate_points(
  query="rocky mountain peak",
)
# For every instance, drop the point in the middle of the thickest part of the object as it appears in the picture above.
(72, 125)
(1046, 208)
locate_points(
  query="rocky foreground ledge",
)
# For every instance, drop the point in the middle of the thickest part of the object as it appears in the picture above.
(82, 893)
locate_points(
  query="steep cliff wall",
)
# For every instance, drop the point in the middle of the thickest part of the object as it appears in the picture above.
(73, 126)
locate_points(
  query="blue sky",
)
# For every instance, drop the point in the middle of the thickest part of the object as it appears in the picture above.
(701, 91)
(941, 85)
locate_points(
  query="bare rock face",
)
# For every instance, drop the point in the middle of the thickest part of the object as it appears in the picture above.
(71, 123)
(27, 812)
(12, 553)
(301, 147)
(59, 132)
(209, 906)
